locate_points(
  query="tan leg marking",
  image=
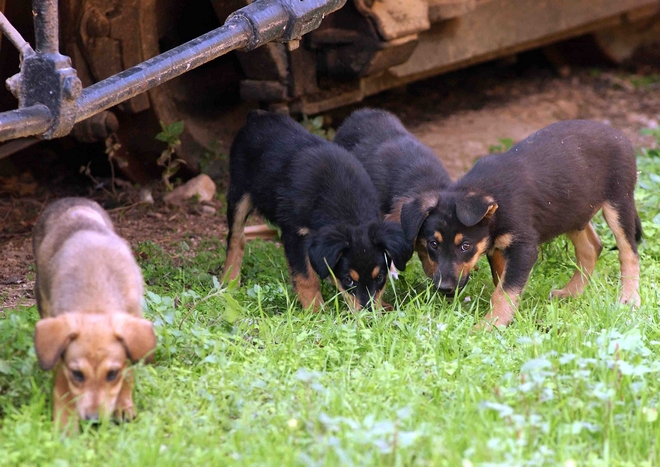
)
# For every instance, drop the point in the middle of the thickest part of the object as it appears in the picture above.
(497, 266)
(236, 248)
(124, 409)
(503, 306)
(308, 289)
(628, 259)
(587, 249)
(496, 258)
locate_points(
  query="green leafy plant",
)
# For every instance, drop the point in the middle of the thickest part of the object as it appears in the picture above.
(315, 125)
(168, 160)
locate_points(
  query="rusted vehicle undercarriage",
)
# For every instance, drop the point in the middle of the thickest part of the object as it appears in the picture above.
(287, 57)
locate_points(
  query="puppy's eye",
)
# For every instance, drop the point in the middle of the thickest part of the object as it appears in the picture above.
(78, 376)
(433, 244)
(112, 375)
(466, 246)
(348, 282)
(380, 278)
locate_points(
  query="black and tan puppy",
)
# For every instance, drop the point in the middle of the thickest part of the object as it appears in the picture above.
(551, 183)
(323, 201)
(402, 168)
(89, 290)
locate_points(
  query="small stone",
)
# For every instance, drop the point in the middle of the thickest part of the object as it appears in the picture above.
(146, 196)
(201, 186)
(208, 209)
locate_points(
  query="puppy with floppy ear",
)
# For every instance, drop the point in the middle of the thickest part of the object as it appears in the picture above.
(331, 243)
(89, 290)
(403, 170)
(549, 184)
(323, 201)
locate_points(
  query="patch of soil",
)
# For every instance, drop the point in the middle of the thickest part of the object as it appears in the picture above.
(459, 115)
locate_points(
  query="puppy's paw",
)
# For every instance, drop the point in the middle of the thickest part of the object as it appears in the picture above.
(125, 414)
(386, 306)
(560, 293)
(631, 299)
(484, 325)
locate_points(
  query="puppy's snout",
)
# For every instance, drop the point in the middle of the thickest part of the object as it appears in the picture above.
(366, 302)
(446, 290)
(446, 285)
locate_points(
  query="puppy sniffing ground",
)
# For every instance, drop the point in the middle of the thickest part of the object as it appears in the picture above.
(89, 290)
(323, 201)
(549, 184)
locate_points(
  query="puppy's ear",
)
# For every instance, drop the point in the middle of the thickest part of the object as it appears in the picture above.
(389, 236)
(473, 208)
(413, 215)
(326, 248)
(137, 336)
(52, 336)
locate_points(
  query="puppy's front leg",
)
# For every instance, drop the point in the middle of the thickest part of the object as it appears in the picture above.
(516, 262)
(305, 281)
(65, 414)
(124, 409)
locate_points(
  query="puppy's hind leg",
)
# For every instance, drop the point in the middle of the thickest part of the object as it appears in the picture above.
(624, 222)
(239, 206)
(305, 281)
(587, 249)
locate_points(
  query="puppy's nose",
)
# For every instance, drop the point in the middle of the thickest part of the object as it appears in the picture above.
(92, 417)
(446, 290)
(367, 304)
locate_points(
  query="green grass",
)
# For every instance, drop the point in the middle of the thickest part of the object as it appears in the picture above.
(245, 377)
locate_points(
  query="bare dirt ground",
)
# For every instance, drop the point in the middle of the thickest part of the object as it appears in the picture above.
(460, 116)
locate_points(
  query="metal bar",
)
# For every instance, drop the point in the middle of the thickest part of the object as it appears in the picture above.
(27, 121)
(46, 31)
(150, 73)
(13, 35)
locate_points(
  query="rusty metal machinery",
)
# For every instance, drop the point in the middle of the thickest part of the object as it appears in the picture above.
(365, 47)
(52, 99)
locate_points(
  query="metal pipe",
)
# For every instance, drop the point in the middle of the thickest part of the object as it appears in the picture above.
(150, 73)
(33, 120)
(14, 36)
(46, 32)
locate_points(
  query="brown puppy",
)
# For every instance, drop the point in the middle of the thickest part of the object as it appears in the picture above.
(89, 290)
(549, 184)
